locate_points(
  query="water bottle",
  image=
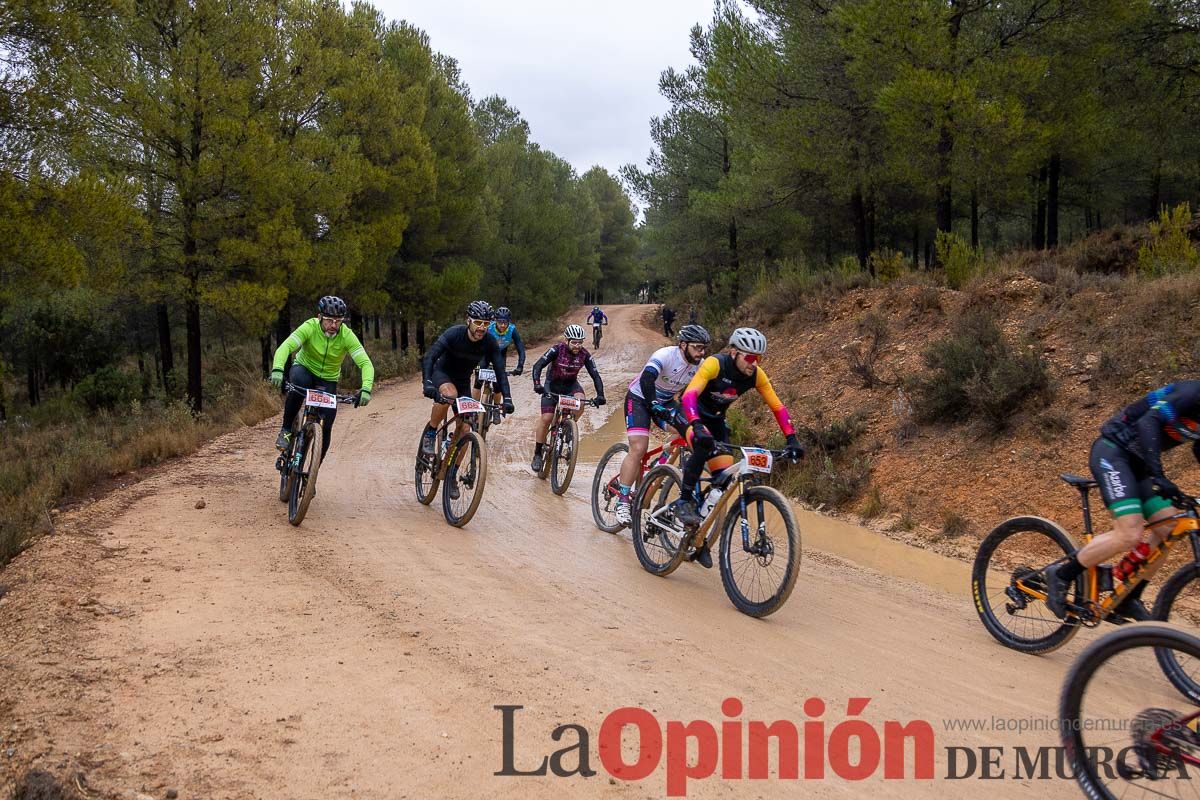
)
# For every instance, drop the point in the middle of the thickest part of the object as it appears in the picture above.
(1132, 562)
(710, 500)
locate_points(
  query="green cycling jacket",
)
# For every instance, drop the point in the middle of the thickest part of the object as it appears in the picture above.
(322, 355)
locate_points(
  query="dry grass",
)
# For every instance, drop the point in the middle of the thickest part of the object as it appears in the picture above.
(61, 451)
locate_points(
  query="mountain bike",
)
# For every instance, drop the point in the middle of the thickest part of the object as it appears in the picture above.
(488, 390)
(562, 442)
(299, 464)
(597, 333)
(459, 461)
(1009, 589)
(1125, 731)
(605, 489)
(759, 538)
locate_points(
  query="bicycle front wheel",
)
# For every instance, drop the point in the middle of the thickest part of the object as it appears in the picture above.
(563, 458)
(465, 479)
(605, 491)
(760, 552)
(1178, 602)
(658, 538)
(304, 483)
(1126, 731)
(1016, 551)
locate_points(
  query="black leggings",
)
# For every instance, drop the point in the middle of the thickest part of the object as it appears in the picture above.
(300, 376)
(700, 455)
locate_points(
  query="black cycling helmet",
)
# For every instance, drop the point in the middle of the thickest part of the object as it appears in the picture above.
(331, 306)
(502, 313)
(480, 309)
(694, 334)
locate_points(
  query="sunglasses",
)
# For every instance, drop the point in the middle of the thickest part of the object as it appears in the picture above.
(478, 323)
(752, 358)
(338, 320)
(575, 342)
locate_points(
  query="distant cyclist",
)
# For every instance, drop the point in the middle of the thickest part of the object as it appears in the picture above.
(447, 367)
(596, 318)
(564, 360)
(720, 381)
(504, 330)
(651, 399)
(322, 343)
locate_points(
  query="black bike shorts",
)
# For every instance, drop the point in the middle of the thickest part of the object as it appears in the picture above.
(1125, 481)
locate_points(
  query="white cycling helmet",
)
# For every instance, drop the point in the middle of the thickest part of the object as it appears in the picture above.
(748, 340)
(574, 332)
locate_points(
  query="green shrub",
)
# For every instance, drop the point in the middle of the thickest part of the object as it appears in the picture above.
(1169, 249)
(107, 387)
(886, 264)
(960, 261)
(975, 373)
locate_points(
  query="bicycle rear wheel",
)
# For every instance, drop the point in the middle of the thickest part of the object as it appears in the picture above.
(1126, 731)
(565, 452)
(604, 488)
(427, 467)
(465, 479)
(658, 538)
(551, 444)
(1016, 551)
(759, 572)
(284, 465)
(487, 397)
(304, 483)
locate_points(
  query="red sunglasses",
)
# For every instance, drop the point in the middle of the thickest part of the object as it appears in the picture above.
(752, 358)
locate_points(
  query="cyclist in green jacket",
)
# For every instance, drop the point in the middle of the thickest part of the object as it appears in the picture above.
(323, 342)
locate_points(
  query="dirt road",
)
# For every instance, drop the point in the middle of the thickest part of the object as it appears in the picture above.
(151, 645)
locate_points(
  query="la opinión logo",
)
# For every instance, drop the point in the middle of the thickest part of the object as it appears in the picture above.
(853, 749)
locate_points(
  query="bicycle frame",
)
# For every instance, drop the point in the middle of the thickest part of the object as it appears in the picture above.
(1187, 525)
(462, 410)
(487, 394)
(756, 462)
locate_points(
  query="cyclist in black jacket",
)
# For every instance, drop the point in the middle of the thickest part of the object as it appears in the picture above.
(1127, 463)
(447, 367)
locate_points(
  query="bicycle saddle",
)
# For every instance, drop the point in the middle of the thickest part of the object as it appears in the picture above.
(1078, 481)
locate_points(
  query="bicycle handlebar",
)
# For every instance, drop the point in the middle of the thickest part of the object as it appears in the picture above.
(735, 449)
(351, 399)
(589, 402)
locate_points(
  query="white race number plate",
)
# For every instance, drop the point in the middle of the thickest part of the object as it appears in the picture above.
(320, 399)
(571, 403)
(758, 460)
(487, 375)
(467, 405)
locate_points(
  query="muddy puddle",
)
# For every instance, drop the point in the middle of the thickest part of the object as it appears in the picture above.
(819, 532)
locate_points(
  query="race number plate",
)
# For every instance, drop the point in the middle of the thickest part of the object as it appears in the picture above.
(467, 405)
(570, 403)
(320, 399)
(758, 460)
(487, 375)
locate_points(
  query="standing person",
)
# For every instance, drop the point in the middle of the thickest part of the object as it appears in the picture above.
(651, 398)
(1126, 461)
(668, 318)
(323, 342)
(447, 367)
(692, 314)
(565, 359)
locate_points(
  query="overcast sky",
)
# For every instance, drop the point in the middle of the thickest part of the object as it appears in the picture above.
(584, 75)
